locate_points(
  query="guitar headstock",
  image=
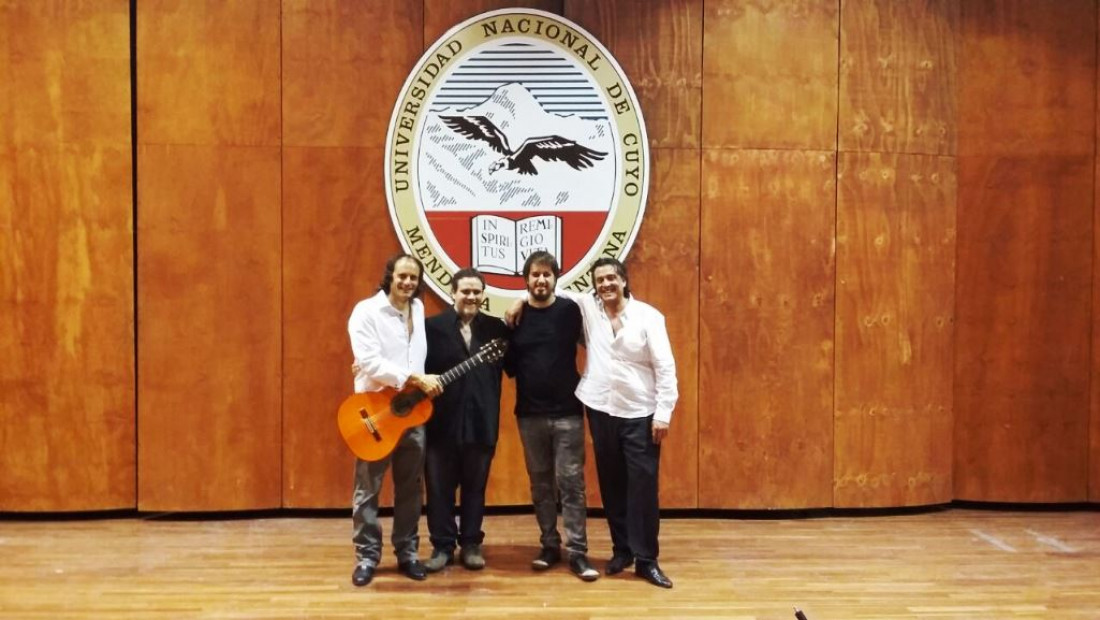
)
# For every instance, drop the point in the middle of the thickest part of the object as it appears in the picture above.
(493, 350)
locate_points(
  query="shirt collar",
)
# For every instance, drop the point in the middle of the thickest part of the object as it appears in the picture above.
(626, 307)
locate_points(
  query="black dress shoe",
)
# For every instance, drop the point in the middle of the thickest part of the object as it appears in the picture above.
(653, 574)
(548, 556)
(362, 575)
(618, 564)
(413, 569)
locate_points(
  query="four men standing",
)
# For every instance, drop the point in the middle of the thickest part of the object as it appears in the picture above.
(629, 388)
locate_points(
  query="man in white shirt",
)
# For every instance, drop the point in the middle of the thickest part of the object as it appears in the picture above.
(629, 389)
(389, 345)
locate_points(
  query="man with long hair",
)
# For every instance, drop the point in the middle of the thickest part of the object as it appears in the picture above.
(389, 345)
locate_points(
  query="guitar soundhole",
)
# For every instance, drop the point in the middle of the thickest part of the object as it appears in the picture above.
(403, 404)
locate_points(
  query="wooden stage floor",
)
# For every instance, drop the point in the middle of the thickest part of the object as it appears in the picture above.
(955, 563)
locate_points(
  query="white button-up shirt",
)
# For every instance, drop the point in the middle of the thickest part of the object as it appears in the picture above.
(385, 353)
(631, 374)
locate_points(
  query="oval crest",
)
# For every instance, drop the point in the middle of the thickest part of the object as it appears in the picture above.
(516, 131)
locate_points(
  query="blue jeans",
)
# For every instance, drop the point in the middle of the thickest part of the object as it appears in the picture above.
(553, 449)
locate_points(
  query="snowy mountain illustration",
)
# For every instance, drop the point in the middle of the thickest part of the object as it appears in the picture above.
(507, 153)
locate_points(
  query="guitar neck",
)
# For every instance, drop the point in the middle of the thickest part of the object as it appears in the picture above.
(456, 372)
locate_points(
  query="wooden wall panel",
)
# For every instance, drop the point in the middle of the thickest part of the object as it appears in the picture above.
(208, 341)
(897, 76)
(895, 302)
(1094, 409)
(770, 74)
(442, 15)
(344, 62)
(336, 228)
(66, 258)
(664, 272)
(1022, 338)
(766, 329)
(508, 481)
(1027, 135)
(659, 45)
(208, 72)
(337, 237)
(209, 256)
(1027, 77)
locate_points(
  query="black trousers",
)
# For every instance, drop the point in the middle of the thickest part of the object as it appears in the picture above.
(627, 464)
(449, 467)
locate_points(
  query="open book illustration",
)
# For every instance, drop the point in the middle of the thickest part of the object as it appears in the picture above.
(501, 245)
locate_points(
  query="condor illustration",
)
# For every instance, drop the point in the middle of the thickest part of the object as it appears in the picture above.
(549, 148)
(517, 131)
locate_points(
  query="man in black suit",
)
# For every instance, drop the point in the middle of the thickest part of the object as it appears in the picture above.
(463, 429)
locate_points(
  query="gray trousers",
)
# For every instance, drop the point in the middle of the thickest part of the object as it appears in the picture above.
(408, 463)
(553, 449)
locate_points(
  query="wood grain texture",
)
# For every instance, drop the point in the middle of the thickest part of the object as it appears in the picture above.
(1027, 77)
(1094, 409)
(895, 303)
(659, 46)
(209, 72)
(770, 72)
(66, 258)
(336, 232)
(897, 76)
(766, 329)
(209, 256)
(1023, 328)
(442, 15)
(344, 62)
(954, 564)
(664, 272)
(209, 351)
(336, 239)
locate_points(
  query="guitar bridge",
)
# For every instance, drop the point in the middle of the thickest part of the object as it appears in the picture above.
(369, 424)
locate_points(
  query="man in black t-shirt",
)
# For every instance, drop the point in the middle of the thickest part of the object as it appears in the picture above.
(542, 357)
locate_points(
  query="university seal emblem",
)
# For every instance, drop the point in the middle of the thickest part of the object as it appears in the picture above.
(515, 132)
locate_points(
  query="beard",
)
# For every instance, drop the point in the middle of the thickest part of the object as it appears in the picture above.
(540, 294)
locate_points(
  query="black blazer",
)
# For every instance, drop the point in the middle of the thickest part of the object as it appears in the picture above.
(468, 410)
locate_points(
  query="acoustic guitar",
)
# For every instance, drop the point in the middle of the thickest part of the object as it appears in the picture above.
(373, 422)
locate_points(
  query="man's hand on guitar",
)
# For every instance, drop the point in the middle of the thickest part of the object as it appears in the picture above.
(429, 384)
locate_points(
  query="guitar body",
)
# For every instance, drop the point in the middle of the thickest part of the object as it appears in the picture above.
(373, 422)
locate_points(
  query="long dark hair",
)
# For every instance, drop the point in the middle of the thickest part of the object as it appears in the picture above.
(391, 264)
(619, 269)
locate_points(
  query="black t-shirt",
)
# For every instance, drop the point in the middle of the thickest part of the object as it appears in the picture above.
(542, 356)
